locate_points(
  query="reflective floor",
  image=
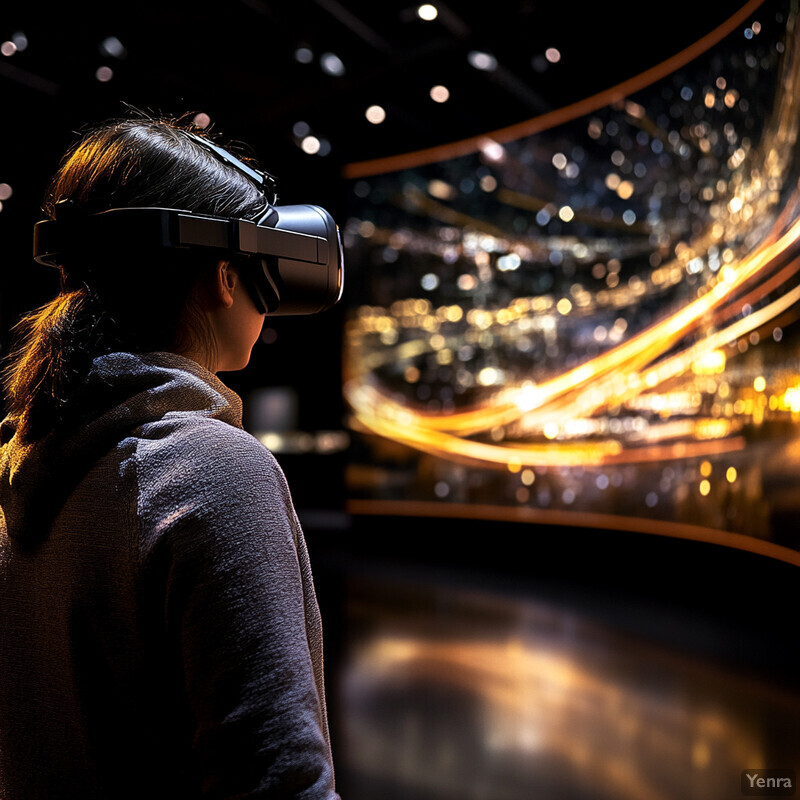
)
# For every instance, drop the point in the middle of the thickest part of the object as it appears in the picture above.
(453, 687)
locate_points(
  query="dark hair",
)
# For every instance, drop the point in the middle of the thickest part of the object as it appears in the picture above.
(116, 302)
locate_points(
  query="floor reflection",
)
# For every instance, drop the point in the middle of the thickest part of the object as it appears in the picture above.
(456, 692)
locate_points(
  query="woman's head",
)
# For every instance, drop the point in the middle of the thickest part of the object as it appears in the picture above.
(149, 162)
(124, 300)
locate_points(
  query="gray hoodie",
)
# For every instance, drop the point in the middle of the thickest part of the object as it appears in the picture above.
(159, 631)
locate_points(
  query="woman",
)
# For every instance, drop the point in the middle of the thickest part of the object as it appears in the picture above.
(159, 632)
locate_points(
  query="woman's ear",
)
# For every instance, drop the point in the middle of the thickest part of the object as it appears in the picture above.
(225, 280)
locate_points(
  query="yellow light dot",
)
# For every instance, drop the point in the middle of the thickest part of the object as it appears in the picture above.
(625, 189)
(551, 430)
(488, 376)
(564, 306)
(731, 474)
(705, 487)
(528, 477)
(760, 383)
(514, 465)
(705, 469)
(428, 12)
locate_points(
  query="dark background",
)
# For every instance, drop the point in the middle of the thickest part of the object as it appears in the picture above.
(235, 62)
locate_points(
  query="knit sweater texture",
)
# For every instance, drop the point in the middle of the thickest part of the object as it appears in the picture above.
(159, 629)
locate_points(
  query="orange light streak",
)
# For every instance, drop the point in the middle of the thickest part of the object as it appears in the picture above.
(377, 411)
(581, 519)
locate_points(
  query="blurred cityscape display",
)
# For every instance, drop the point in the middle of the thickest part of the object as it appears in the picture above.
(596, 320)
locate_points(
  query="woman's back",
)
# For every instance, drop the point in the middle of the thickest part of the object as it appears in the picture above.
(170, 597)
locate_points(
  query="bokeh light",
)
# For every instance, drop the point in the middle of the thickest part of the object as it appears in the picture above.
(375, 114)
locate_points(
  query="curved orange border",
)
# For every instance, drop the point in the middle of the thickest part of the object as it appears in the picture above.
(360, 169)
(584, 519)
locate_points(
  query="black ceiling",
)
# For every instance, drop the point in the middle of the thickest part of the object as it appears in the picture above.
(236, 62)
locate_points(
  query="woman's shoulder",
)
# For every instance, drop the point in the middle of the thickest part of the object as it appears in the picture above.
(205, 469)
(196, 446)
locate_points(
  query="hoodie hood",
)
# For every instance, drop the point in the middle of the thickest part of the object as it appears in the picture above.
(122, 392)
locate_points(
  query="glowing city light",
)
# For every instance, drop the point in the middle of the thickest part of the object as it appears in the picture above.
(375, 114)
(440, 94)
(427, 12)
(111, 46)
(310, 145)
(332, 64)
(482, 61)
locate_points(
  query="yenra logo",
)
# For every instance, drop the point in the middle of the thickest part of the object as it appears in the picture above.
(768, 782)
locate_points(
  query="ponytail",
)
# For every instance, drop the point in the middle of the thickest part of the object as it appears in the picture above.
(51, 354)
(54, 345)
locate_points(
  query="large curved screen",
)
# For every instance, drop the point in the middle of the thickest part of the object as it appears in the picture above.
(591, 317)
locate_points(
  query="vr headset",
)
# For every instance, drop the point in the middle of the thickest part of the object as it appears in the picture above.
(292, 255)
